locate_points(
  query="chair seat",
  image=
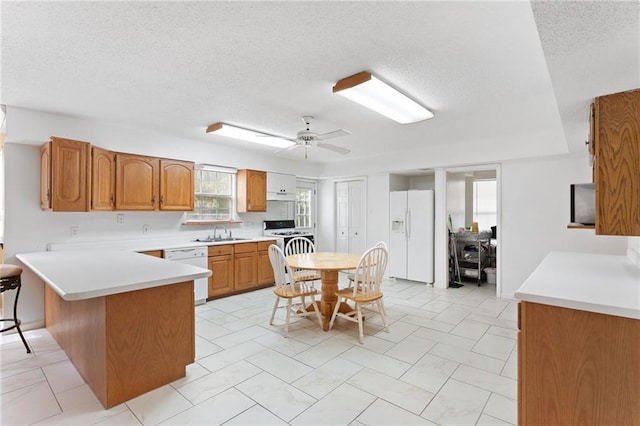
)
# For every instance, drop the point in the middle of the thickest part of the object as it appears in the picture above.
(8, 271)
(289, 291)
(359, 297)
(306, 275)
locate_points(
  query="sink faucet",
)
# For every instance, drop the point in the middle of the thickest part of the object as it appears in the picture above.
(215, 230)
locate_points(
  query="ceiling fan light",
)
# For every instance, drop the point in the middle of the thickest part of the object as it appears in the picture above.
(371, 92)
(247, 135)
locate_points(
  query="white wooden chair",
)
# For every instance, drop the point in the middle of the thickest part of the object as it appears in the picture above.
(366, 295)
(299, 245)
(291, 291)
(351, 277)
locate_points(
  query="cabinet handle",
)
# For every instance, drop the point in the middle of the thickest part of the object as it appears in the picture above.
(153, 199)
(161, 199)
(112, 199)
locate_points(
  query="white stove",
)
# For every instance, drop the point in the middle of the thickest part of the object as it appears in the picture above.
(283, 230)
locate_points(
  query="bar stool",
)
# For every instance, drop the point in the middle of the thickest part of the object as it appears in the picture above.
(10, 280)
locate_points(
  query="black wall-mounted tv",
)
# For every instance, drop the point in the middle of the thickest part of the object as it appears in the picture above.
(583, 203)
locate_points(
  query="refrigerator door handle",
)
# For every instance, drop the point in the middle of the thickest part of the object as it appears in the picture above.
(407, 224)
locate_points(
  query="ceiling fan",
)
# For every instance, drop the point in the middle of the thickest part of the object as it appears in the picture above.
(307, 138)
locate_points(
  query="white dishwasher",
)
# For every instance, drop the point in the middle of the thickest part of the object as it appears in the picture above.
(195, 256)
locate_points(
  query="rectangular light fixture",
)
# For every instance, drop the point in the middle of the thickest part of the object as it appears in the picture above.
(365, 89)
(247, 135)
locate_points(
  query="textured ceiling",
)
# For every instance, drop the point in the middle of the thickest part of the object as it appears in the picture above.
(498, 75)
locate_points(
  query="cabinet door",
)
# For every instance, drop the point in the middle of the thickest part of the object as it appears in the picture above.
(577, 367)
(221, 281)
(617, 148)
(251, 191)
(45, 176)
(69, 183)
(274, 182)
(245, 270)
(245, 265)
(136, 182)
(288, 184)
(257, 191)
(103, 179)
(176, 185)
(265, 271)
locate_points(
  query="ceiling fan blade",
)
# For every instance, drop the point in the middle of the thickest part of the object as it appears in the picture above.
(289, 148)
(334, 148)
(334, 134)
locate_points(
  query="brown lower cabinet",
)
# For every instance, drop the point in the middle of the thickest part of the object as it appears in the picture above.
(265, 271)
(239, 267)
(221, 264)
(577, 367)
(245, 266)
(154, 253)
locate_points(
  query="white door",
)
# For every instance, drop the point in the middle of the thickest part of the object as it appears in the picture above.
(397, 234)
(357, 202)
(342, 217)
(420, 218)
(350, 216)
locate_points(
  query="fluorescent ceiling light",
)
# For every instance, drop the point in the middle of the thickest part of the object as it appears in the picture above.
(227, 130)
(365, 89)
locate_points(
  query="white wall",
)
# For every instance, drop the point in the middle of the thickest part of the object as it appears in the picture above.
(535, 213)
(378, 208)
(456, 196)
(422, 182)
(28, 229)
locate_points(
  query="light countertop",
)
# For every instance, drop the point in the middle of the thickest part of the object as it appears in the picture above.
(607, 284)
(146, 244)
(83, 274)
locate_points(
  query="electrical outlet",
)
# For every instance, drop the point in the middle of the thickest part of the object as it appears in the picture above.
(120, 218)
(145, 229)
(74, 230)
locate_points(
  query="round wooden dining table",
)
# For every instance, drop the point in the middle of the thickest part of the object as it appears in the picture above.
(328, 263)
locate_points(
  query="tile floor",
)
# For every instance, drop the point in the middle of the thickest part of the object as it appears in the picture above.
(449, 359)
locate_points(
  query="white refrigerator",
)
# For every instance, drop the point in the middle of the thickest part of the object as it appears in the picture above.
(411, 235)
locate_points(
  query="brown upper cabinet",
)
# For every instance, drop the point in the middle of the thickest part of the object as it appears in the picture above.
(148, 183)
(616, 148)
(137, 179)
(64, 175)
(251, 191)
(103, 179)
(176, 185)
(76, 176)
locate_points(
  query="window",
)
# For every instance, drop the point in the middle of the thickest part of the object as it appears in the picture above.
(304, 208)
(485, 203)
(214, 194)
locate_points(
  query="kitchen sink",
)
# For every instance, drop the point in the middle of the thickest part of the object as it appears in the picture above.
(217, 240)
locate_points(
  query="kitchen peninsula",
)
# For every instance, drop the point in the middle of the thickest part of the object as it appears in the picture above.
(579, 341)
(124, 319)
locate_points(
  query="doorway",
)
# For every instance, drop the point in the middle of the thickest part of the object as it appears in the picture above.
(472, 203)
